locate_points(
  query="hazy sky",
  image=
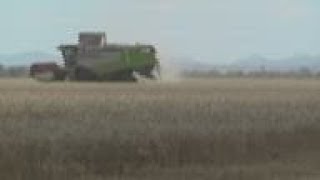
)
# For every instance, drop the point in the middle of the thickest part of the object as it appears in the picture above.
(210, 30)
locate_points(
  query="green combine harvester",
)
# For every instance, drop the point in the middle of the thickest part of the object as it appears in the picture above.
(93, 59)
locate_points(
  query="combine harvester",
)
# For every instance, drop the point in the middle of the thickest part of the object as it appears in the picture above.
(93, 59)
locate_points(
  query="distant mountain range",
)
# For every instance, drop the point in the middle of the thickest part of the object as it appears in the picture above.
(255, 63)
(251, 63)
(286, 64)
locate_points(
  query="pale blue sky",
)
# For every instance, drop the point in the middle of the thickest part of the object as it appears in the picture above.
(208, 30)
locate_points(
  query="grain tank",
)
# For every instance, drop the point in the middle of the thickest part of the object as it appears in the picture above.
(94, 59)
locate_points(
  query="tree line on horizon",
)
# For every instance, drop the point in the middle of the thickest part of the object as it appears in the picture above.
(16, 71)
(301, 72)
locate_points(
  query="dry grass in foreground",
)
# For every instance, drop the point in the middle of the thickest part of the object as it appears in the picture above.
(215, 129)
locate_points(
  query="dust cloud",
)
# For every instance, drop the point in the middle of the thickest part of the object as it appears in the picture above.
(169, 70)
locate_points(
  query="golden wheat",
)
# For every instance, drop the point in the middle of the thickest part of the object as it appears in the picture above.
(192, 129)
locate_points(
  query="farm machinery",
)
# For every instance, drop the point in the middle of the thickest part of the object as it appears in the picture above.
(93, 59)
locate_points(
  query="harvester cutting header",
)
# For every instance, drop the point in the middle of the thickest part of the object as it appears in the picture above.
(94, 59)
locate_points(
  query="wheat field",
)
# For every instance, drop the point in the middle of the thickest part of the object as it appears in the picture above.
(226, 129)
